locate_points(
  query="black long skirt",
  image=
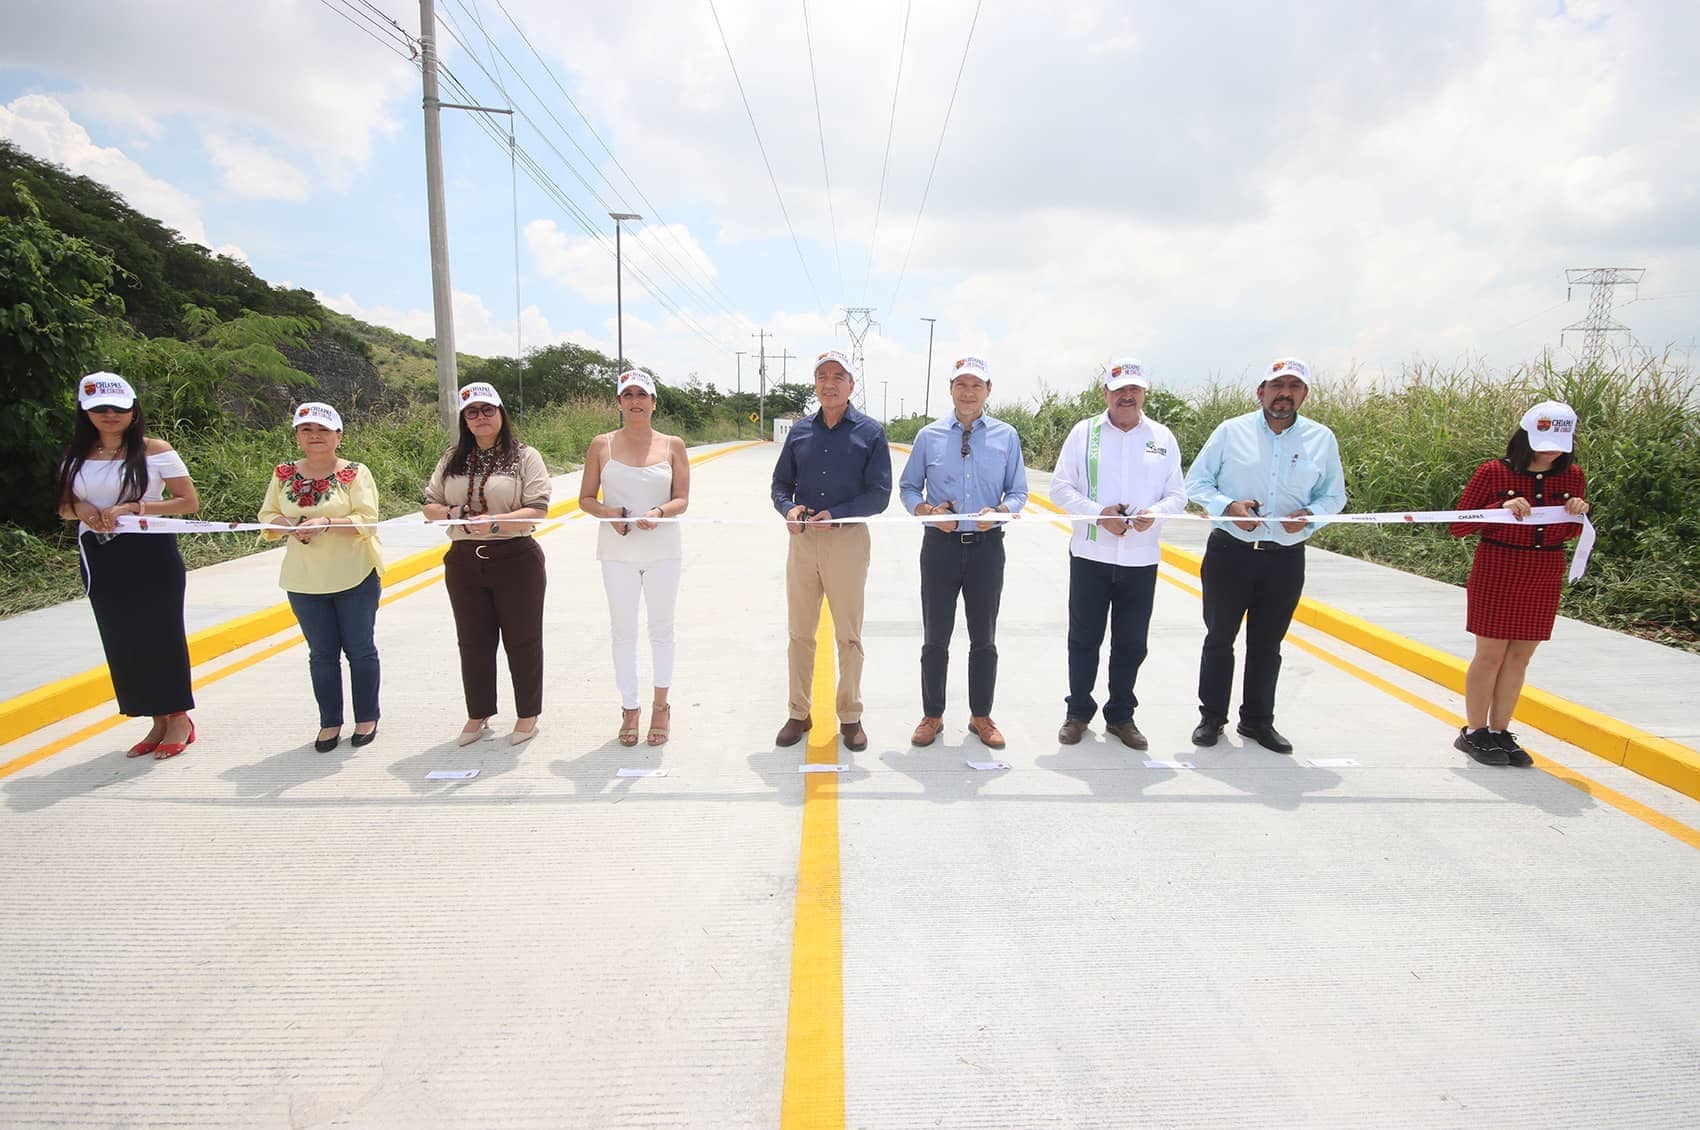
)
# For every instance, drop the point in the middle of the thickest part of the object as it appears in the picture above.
(135, 585)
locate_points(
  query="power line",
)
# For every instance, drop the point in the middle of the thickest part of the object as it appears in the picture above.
(696, 292)
(885, 164)
(540, 177)
(759, 145)
(649, 205)
(455, 33)
(892, 305)
(386, 44)
(820, 129)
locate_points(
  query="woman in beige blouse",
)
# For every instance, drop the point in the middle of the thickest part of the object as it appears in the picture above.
(325, 505)
(494, 568)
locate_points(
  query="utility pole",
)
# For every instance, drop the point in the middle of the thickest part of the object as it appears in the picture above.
(739, 414)
(927, 400)
(761, 428)
(1598, 323)
(619, 312)
(885, 404)
(858, 320)
(784, 367)
(442, 296)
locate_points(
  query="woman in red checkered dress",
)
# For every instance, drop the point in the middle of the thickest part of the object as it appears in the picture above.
(1518, 573)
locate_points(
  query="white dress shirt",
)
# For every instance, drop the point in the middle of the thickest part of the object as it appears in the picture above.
(1139, 468)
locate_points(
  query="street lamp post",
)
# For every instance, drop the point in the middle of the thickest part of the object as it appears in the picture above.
(927, 400)
(619, 312)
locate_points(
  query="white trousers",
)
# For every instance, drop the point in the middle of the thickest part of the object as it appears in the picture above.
(657, 583)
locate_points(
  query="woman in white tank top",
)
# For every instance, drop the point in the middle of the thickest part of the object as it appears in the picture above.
(641, 476)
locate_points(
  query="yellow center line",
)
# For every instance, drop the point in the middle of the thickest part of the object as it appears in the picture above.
(814, 1033)
(1630, 807)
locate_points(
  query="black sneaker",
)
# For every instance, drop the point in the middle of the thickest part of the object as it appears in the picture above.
(1480, 745)
(1514, 753)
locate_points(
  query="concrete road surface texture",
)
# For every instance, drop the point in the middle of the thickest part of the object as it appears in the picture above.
(1374, 931)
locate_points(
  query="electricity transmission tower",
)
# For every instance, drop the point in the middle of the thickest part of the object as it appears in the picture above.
(858, 320)
(1601, 282)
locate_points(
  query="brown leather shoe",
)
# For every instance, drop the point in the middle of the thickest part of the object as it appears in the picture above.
(987, 731)
(1129, 734)
(1072, 731)
(792, 732)
(926, 730)
(855, 738)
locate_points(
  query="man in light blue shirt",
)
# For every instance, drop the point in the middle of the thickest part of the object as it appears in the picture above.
(1269, 469)
(966, 463)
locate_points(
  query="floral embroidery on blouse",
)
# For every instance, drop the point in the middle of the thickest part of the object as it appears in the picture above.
(308, 493)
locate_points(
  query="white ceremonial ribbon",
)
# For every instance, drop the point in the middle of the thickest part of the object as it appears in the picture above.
(1538, 516)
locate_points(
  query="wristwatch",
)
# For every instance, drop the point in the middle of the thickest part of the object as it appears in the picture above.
(495, 527)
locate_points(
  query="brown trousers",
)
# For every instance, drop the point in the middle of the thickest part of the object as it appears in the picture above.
(833, 563)
(496, 591)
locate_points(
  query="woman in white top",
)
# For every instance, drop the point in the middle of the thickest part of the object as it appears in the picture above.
(135, 582)
(642, 475)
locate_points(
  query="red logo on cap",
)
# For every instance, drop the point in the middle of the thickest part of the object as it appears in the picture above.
(1543, 425)
(466, 394)
(302, 412)
(88, 388)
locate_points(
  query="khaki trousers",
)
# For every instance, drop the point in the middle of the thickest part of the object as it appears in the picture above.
(833, 563)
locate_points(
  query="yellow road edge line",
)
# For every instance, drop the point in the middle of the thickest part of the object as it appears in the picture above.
(70, 696)
(1627, 805)
(24, 761)
(813, 1095)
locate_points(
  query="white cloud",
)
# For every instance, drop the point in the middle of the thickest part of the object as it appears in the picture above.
(254, 173)
(41, 126)
(295, 71)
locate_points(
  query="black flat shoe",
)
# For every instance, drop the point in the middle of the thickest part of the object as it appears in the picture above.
(359, 739)
(325, 745)
(1266, 736)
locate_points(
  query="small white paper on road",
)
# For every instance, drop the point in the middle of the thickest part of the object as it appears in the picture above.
(1332, 762)
(813, 767)
(641, 773)
(451, 774)
(1169, 765)
(988, 766)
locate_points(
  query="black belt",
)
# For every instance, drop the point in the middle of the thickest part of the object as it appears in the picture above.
(1223, 537)
(974, 538)
(1512, 545)
(493, 549)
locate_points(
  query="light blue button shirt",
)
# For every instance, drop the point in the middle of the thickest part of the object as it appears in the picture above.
(1298, 469)
(991, 474)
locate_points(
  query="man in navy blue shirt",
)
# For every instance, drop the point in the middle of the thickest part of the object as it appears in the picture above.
(970, 464)
(835, 464)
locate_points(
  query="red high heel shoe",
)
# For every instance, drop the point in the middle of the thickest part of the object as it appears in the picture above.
(142, 749)
(165, 750)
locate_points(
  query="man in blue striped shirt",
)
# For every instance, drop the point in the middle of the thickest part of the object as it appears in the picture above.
(970, 464)
(1269, 469)
(834, 464)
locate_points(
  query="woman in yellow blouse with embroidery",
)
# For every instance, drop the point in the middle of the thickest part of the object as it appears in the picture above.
(330, 568)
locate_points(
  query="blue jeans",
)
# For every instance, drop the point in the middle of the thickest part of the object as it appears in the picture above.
(1123, 595)
(338, 623)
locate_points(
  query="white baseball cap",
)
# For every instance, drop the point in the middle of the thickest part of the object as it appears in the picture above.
(1124, 372)
(970, 367)
(1551, 425)
(634, 377)
(479, 393)
(317, 412)
(1288, 367)
(101, 388)
(835, 355)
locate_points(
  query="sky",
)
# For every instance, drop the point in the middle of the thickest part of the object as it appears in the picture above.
(1205, 187)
